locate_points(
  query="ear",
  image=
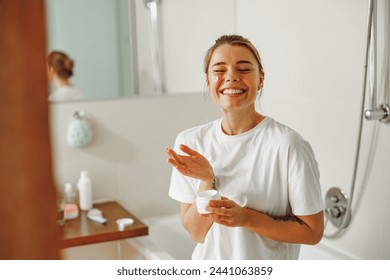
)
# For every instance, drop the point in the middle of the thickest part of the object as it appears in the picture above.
(50, 72)
(207, 81)
(261, 81)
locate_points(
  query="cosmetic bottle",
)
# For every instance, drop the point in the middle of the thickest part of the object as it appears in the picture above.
(84, 186)
(70, 194)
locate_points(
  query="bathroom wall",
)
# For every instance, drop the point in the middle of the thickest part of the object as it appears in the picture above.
(127, 159)
(313, 54)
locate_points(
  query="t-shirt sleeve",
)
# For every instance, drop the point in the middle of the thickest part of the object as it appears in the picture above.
(182, 188)
(305, 194)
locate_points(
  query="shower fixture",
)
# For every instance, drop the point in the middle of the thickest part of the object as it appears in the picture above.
(158, 81)
(376, 112)
(336, 207)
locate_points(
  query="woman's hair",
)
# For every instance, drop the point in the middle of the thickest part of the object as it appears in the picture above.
(234, 40)
(62, 64)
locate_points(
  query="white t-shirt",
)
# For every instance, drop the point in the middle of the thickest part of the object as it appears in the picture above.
(66, 93)
(269, 168)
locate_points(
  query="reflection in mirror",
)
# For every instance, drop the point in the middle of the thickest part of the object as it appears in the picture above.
(112, 46)
(96, 35)
(59, 72)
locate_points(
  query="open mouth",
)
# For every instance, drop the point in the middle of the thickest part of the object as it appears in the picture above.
(232, 91)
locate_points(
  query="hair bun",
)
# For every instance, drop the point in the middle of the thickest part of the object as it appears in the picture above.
(68, 64)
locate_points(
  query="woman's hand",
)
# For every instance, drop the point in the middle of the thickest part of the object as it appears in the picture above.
(226, 212)
(306, 229)
(194, 165)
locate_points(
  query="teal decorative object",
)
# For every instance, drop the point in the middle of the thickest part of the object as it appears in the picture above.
(79, 131)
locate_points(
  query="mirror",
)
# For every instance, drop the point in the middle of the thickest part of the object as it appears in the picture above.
(111, 44)
(96, 35)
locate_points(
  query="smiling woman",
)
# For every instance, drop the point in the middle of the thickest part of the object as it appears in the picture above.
(266, 210)
(234, 72)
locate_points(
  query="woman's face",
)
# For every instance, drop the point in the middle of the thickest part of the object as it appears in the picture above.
(234, 77)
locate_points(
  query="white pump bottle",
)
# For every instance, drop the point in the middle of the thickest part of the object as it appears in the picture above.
(85, 191)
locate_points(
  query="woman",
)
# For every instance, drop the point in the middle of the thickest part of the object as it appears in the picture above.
(60, 69)
(266, 173)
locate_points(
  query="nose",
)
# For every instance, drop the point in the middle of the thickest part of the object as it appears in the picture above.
(231, 76)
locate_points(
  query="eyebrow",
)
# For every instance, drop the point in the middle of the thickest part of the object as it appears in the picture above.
(238, 62)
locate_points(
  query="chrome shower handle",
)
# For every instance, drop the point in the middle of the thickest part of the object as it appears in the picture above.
(381, 114)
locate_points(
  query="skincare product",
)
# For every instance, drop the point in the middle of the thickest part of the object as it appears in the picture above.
(71, 211)
(96, 215)
(69, 194)
(203, 198)
(85, 191)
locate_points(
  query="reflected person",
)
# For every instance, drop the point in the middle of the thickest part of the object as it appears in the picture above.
(60, 70)
(265, 171)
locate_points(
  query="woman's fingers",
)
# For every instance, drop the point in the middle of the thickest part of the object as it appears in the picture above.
(193, 164)
(174, 155)
(188, 150)
(220, 209)
(178, 162)
(225, 212)
(224, 202)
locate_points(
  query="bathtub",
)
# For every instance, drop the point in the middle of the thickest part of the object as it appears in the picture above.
(167, 240)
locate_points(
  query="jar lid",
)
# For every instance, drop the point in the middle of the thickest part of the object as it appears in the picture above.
(124, 222)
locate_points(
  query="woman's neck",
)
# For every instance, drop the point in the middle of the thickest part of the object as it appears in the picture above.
(234, 123)
(58, 82)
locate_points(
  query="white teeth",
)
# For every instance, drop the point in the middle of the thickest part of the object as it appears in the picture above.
(232, 91)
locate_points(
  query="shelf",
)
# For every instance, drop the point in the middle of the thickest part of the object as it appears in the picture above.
(82, 231)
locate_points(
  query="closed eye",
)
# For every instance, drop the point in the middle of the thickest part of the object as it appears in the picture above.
(245, 70)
